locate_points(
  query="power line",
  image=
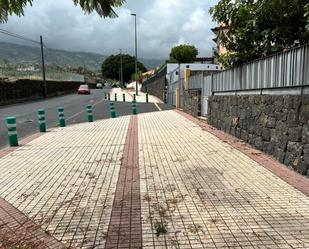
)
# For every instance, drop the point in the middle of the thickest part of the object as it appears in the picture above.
(8, 33)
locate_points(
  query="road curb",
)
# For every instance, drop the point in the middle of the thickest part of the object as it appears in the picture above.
(291, 177)
(7, 150)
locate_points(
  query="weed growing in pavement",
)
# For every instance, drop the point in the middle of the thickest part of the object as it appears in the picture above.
(161, 228)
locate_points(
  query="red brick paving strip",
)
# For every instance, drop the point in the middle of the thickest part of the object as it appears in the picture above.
(125, 228)
(16, 230)
(291, 177)
(15, 227)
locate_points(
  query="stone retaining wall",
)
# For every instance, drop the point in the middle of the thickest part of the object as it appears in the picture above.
(156, 85)
(277, 125)
(192, 102)
(22, 90)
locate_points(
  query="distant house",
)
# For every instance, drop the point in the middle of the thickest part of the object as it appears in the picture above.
(204, 60)
(219, 49)
(27, 69)
(173, 73)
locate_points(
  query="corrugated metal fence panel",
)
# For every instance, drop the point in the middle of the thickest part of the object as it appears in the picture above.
(286, 69)
(306, 68)
(196, 81)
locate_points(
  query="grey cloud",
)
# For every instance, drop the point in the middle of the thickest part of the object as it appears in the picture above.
(161, 25)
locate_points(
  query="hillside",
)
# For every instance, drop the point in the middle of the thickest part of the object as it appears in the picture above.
(20, 54)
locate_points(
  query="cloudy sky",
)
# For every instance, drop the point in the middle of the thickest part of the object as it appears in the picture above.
(161, 25)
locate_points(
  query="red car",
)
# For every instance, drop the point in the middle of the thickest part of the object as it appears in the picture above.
(83, 89)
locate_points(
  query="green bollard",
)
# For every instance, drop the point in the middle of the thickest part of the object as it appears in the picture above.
(109, 97)
(112, 109)
(12, 131)
(42, 120)
(147, 99)
(134, 97)
(124, 97)
(61, 117)
(115, 97)
(89, 113)
(134, 108)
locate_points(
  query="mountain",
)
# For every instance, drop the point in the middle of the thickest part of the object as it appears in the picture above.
(21, 54)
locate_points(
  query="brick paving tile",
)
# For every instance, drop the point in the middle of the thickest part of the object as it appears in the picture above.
(17, 229)
(125, 225)
(298, 181)
(65, 180)
(199, 192)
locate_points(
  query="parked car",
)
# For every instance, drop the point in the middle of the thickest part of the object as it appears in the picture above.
(83, 89)
(99, 85)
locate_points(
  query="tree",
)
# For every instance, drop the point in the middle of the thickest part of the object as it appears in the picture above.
(183, 53)
(103, 7)
(307, 15)
(111, 67)
(256, 28)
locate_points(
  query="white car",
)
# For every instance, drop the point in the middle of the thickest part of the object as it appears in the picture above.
(99, 85)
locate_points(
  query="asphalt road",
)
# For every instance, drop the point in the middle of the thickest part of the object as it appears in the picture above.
(74, 109)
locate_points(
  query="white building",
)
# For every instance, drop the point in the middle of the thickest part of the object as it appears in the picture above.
(173, 68)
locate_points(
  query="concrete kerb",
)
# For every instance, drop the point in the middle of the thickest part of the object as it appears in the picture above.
(12, 131)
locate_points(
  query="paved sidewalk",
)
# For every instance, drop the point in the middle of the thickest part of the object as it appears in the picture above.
(156, 180)
(140, 98)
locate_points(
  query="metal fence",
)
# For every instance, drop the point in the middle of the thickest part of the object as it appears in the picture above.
(284, 70)
(282, 73)
(175, 81)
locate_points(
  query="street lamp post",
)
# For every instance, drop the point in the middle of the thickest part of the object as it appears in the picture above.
(136, 84)
(43, 67)
(121, 69)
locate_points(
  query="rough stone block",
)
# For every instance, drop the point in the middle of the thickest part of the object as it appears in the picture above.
(268, 147)
(303, 168)
(305, 134)
(280, 154)
(295, 148)
(283, 140)
(244, 135)
(271, 122)
(258, 143)
(306, 153)
(288, 102)
(266, 134)
(292, 119)
(289, 158)
(251, 139)
(238, 132)
(304, 111)
(295, 134)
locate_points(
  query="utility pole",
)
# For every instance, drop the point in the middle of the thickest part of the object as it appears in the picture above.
(136, 83)
(43, 67)
(121, 69)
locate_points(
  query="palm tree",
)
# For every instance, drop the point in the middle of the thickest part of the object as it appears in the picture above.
(105, 8)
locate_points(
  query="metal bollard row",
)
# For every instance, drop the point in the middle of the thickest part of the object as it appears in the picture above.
(12, 127)
(112, 109)
(134, 108)
(89, 113)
